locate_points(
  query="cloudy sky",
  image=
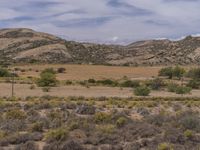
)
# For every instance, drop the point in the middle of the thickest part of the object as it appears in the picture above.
(109, 21)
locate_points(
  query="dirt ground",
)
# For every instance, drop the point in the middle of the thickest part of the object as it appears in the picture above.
(23, 90)
(85, 72)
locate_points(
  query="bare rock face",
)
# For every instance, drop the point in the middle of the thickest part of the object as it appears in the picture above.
(28, 46)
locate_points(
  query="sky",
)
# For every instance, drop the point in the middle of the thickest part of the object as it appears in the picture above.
(104, 21)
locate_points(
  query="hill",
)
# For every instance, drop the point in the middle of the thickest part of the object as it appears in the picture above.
(27, 46)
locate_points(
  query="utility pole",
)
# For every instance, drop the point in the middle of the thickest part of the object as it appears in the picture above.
(13, 83)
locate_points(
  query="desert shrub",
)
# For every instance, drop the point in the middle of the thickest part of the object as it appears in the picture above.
(32, 87)
(30, 145)
(47, 79)
(194, 73)
(164, 146)
(172, 72)
(190, 121)
(168, 72)
(37, 127)
(108, 82)
(2, 134)
(121, 121)
(48, 70)
(61, 70)
(183, 90)
(188, 134)
(171, 87)
(106, 129)
(59, 134)
(46, 89)
(91, 81)
(4, 73)
(130, 83)
(142, 91)
(156, 84)
(101, 117)
(195, 84)
(86, 110)
(72, 145)
(178, 72)
(15, 114)
(68, 82)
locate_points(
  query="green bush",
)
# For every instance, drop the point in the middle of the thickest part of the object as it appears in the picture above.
(194, 73)
(130, 83)
(4, 73)
(168, 71)
(171, 87)
(178, 72)
(91, 81)
(172, 72)
(156, 84)
(190, 122)
(188, 134)
(195, 84)
(142, 91)
(121, 121)
(164, 146)
(15, 114)
(101, 117)
(49, 70)
(47, 79)
(183, 90)
(59, 134)
(108, 82)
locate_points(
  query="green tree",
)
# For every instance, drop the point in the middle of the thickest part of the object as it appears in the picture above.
(168, 71)
(178, 72)
(4, 72)
(47, 79)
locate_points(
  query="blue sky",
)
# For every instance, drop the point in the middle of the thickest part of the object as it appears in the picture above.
(104, 21)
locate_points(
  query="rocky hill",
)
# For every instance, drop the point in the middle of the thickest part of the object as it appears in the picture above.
(28, 46)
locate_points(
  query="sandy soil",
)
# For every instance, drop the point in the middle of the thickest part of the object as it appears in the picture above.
(23, 90)
(85, 72)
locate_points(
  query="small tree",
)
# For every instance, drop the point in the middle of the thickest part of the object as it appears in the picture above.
(142, 91)
(168, 71)
(47, 79)
(4, 73)
(194, 73)
(178, 72)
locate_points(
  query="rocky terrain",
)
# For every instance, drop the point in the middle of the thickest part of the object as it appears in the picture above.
(28, 46)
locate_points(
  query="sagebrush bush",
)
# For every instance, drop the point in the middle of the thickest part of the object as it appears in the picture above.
(142, 91)
(164, 146)
(15, 114)
(183, 90)
(121, 122)
(171, 87)
(59, 134)
(101, 117)
(130, 83)
(195, 84)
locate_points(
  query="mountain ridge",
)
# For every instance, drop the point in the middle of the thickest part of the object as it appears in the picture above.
(21, 45)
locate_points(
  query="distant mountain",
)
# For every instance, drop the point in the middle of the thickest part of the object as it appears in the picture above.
(28, 46)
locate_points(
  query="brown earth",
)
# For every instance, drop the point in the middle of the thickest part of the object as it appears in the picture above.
(23, 90)
(85, 72)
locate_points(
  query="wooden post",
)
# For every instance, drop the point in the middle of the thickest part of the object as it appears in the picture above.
(13, 83)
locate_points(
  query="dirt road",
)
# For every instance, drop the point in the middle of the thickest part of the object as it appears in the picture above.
(23, 90)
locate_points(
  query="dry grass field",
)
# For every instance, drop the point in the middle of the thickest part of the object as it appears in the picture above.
(85, 72)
